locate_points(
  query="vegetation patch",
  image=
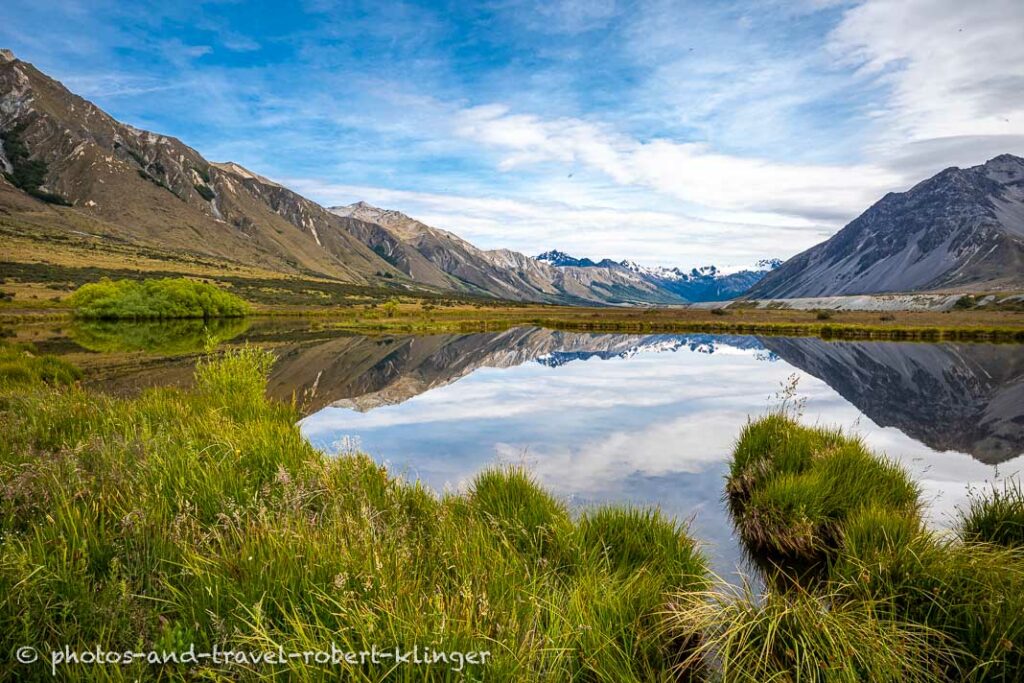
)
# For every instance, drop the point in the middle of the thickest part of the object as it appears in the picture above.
(26, 174)
(997, 517)
(970, 594)
(20, 365)
(203, 516)
(802, 636)
(791, 488)
(155, 299)
(815, 497)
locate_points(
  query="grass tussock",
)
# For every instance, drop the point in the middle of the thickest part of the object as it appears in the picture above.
(802, 494)
(970, 593)
(155, 299)
(800, 636)
(20, 366)
(791, 488)
(995, 517)
(203, 516)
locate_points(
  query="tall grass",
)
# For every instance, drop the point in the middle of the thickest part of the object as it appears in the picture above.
(971, 593)
(995, 517)
(203, 516)
(791, 488)
(19, 366)
(804, 495)
(155, 299)
(801, 636)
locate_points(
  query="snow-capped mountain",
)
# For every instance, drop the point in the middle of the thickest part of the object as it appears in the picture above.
(706, 283)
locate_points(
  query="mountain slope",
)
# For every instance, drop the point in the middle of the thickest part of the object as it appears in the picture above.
(153, 189)
(962, 229)
(424, 252)
(71, 167)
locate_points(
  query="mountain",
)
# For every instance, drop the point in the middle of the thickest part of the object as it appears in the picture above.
(962, 229)
(698, 284)
(424, 252)
(154, 190)
(75, 174)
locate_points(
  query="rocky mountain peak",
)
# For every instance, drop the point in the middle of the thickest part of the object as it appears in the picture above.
(961, 229)
(6, 55)
(1004, 169)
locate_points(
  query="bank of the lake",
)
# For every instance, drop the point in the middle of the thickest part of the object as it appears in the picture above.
(203, 516)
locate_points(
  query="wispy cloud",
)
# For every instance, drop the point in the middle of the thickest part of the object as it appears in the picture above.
(675, 133)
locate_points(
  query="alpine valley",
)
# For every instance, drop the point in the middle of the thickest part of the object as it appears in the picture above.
(75, 173)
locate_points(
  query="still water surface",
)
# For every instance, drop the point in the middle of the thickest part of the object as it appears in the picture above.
(613, 418)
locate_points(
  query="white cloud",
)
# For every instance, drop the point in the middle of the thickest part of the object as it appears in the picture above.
(954, 71)
(689, 172)
(585, 226)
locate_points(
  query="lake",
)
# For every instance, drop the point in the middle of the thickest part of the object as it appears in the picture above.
(601, 418)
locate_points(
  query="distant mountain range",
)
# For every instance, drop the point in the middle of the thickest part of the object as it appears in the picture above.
(961, 230)
(698, 284)
(72, 170)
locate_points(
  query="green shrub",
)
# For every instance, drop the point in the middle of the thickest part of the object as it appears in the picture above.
(154, 299)
(390, 308)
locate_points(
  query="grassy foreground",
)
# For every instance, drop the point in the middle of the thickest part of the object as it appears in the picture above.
(203, 517)
(953, 607)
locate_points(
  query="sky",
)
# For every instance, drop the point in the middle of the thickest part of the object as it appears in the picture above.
(669, 133)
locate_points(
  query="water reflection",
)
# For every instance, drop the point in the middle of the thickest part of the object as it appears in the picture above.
(645, 419)
(155, 336)
(652, 419)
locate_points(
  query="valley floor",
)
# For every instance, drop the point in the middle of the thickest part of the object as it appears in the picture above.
(40, 269)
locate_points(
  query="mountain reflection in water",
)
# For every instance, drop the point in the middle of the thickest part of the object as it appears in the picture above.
(651, 420)
(642, 419)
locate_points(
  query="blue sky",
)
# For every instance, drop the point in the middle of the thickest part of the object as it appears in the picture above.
(673, 133)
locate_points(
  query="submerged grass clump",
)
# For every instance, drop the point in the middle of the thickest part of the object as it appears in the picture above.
(155, 299)
(203, 517)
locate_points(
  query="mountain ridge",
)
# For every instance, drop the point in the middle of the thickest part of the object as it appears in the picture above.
(961, 230)
(63, 155)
